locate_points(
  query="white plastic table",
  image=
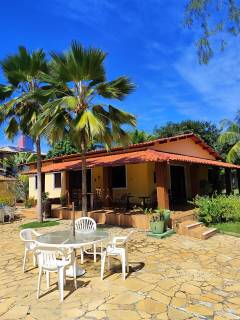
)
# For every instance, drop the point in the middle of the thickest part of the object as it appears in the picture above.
(65, 239)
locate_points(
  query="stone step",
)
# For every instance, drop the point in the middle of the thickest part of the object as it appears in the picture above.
(195, 229)
(178, 217)
(193, 225)
(185, 226)
(209, 233)
(202, 232)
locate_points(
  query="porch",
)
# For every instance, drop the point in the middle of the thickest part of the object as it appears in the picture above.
(145, 185)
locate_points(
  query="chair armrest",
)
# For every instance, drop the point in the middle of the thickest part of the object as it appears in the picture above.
(119, 239)
(37, 234)
(29, 241)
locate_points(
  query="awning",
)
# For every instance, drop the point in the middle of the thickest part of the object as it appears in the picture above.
(131, 158)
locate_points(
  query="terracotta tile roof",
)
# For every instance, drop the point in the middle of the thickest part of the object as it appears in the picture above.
(143, 145)
(131, 158)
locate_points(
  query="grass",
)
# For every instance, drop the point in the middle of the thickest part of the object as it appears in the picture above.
(37, 224)
(232, 228)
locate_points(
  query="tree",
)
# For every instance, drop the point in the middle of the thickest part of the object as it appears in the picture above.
(138, 136)
(216, 20)
(205, 129)
(20, 105)
(11, 163)
(231, 137)
(78, 80)
(61, 148)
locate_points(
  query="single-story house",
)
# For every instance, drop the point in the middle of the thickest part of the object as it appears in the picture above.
(165, 171)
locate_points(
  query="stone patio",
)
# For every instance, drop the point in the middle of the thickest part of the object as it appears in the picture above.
(176, 278)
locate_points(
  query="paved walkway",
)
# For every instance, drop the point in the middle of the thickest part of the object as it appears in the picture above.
(177, 278)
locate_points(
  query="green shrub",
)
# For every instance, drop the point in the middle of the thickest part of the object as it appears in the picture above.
(217, 208)
(6, 200)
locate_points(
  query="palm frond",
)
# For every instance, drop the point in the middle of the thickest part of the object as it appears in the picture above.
(116, 89)
(234, 153)
(230, 137)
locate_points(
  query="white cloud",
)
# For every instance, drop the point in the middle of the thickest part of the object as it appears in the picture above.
(217, 83)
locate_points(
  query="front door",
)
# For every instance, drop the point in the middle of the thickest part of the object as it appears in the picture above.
(178, 186)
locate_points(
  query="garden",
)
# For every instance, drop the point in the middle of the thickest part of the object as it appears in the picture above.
(220, 211)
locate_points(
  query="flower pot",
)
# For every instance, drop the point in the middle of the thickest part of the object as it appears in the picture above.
(157, 227)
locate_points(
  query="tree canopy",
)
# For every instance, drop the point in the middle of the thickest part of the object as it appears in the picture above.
(204, 129)
(61, 148)
(216, 20)
(231, 137)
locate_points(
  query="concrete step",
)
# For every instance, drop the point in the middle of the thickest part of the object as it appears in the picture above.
(209, 233)
(202, 232)
(185, 226)
(195, 229)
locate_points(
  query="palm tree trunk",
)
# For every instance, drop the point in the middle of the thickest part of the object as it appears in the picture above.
(84, 182)
(39, 180)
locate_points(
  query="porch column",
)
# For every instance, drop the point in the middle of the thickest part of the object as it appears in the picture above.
(107, 186)
(65, 183)
(228, 181)
(162, 186)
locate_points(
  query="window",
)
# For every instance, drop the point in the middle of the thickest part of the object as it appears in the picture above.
(119, 177)
(36, 182)
(57, 180)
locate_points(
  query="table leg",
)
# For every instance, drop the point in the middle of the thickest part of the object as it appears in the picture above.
(79, 271)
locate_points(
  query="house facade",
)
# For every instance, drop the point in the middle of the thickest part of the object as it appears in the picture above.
(157, 173)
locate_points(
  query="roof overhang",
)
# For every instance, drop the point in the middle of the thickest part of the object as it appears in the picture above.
(131, 158)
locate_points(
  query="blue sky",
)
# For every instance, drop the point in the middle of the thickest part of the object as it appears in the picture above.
(145, 40)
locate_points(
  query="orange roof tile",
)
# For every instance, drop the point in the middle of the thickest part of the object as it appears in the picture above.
(141, 145)
(131, 157)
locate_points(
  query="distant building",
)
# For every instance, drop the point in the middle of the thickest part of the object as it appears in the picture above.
(25, 143)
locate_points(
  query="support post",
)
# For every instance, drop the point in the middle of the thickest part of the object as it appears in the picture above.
(228, 181)
(162, 185)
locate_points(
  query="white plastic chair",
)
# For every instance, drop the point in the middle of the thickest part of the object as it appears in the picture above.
(118, 247)
(86, 225)
(26, 235)
(51, 259)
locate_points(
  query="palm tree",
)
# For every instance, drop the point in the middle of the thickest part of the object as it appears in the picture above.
(139, 136)
(19, 105)
(77, 79)
(231, 137)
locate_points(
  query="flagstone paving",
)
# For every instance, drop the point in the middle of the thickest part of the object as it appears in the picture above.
(176, 278)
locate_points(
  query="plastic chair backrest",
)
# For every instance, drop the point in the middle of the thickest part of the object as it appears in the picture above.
(49, 257)
(26, 234)
(85, 224)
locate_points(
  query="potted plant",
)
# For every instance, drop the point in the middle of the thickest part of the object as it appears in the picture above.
(159, 220)
(63, 200)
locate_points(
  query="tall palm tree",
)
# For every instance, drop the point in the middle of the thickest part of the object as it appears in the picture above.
(77, 79)
(231, 137)
(19, 106)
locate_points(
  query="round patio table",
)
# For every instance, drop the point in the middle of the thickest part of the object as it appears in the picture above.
(65, 239)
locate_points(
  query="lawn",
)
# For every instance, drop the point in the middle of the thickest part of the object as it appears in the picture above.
(229, 228)
(37, 224)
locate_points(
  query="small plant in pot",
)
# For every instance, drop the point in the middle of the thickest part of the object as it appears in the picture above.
(64, 200)
(159, 219)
